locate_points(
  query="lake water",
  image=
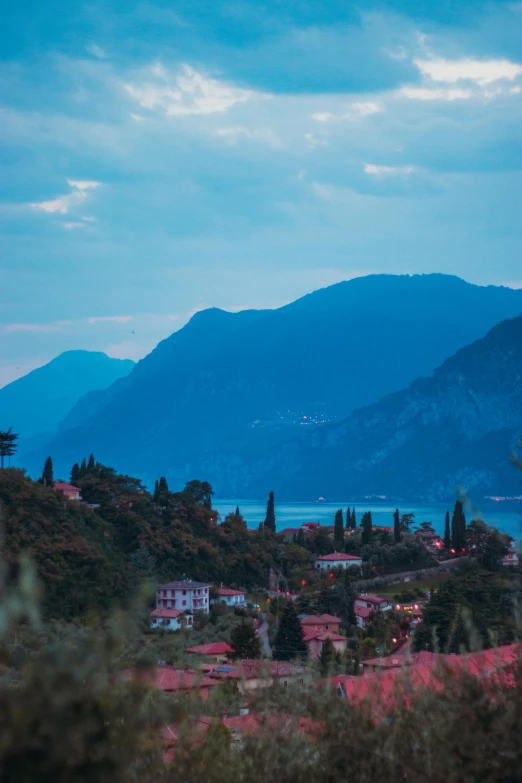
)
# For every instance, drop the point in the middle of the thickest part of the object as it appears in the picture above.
(505, 516)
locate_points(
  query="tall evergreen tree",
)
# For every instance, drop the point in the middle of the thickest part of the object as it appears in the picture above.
(397, 526)
(8, 445)
(47, 474)
(338, 530)
(244, 640)
(354, 520)
(289, 640)
(366, 524)
(270, 520)
(75, 473)
(300, 538)
(83, 468)
(91, 464)
(458, 527)
(142, 566)
(447, 532)
(155, 493)
(238, 513)
(327, 658)
(348, 519)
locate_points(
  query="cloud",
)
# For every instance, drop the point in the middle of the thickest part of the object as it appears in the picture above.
(31, 327)
(264, 135)
(186, 93)
(435, 93)
(120, 319)
(323, 116)
(96, 51)
(70, 226)
(383, 171)
(63, 204)
(363, 109)
(482, 72)
(315, 141)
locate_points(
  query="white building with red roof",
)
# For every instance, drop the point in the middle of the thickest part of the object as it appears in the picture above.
(230, 597)
(170, 619)
(368, 603)
(69, 490)
(318, 628)
(337, 560)
(174, 599)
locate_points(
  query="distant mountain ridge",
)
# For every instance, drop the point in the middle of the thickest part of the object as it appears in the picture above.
(36, 403)
(230, 389)
(453, 430)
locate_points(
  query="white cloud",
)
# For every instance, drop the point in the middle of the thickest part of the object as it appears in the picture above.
(137, 117)
(482, 72)
(323, 116)
(264, 135)
(434, 93)
(30, 327)
(186, 93)
(383, 171)
(364, 108)
(314, 141)
(324, 192)
(74, 225)
(63, 204)
(397, 54)
(515, 89)
(96, 51)
(120, 319)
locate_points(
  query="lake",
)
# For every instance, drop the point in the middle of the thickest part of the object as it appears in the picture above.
(505, 516)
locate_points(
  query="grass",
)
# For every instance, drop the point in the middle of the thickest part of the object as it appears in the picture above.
(423, 584)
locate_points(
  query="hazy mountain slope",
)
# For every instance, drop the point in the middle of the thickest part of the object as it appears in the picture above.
(455, 428)
(37, 402)
(239, 384)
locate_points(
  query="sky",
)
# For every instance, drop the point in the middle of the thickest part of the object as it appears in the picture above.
(161, 157)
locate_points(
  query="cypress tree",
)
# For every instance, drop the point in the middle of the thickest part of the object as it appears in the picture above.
(237, 511)
(83, 468)
(270, 520)
(327, 658)
(244, 641)
(75, 473)
(155, 495)
(289, 640)
(300, 538)
(348, 519)
(366, 524)
(397, 526)
(47, 474)
(91, 464)
(447, 532)
(338, 530)
(458, 527)
(162, 485)
(354, 520)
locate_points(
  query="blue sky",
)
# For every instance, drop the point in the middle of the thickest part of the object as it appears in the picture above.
(158, 158)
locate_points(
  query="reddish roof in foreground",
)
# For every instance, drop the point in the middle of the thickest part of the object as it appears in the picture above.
(214, 648)
(321, 636)
(227, 591)
(397, 661)
(249, 669)
(362, 611)
(320, 619)
(170, 614)
(337, 556)
(63, 486)
(168, 678)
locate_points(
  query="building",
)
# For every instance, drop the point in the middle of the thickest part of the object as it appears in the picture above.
(231, 597)
(362, 615)
(431, 540)
(250, 675)
(318, 628)
(69, 490)
(337, 560)
(172, 680)
(170, 619)
(511, 559)
(321, 622)
(366, 605)
(186, 595)
(219, 651)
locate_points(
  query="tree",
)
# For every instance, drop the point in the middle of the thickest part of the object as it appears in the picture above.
(83, 468)
(199, 492)
(300, 538)
(447, 532)
(354, 520)
(486, 544)
(244, 641)
(75, 474)
(406, 522)
(366, 524)
(142, 566)
(396, 526)
(289, 640)
(458, 528)
(47, 475)
(238, 513)
(270, 520)
(339, 530)
(348, 519)
(8, 444)
(91, 464)
(327, 658)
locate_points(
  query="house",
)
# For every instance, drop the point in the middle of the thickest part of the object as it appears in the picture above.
(185, 594)
(374, 602)
(318, 628)
(231, 597)
(321, 622)
(69, 490)
(220, 651)
(511, 559)
(170, 619)
(289, 533)
(172, 680)
(249, 675)
(400, 661)
(362, 615)
(431, 540)
(336, 560)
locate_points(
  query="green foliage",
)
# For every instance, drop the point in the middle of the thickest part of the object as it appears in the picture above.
(8, 444)
(75, 474)
(458, 528)
(244, 640)
(471, 609)
(486, 544)
(406, 522)
(447, 532)
(327, 658)
(289, 640)
(366, 524)
(47, 474)
(270, 520)
(142, 566)
(353, 519)
(396, 526)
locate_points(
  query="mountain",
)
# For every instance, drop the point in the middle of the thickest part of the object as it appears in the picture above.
(453, 429)
(231, 386)
(35, 404)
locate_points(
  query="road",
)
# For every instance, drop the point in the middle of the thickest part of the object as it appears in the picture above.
(263, 634)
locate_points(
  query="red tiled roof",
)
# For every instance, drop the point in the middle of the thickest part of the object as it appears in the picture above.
(168, 678)
(372, 598)
(214, 648)
(183, 584)
(62, 486)
(167, 613)
(320, 619)
(362, 611)
(249, 669)
(423, 658)
(289, 531)
(227, 591)
(382, 529)
(321, 636)
(337, 556)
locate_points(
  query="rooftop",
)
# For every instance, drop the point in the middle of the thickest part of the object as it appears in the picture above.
(183, 584)
(372, 598)
(63, 486)
(168, 678)
(338, 556)
(214, 648)
(166, 613)
(227, 591)
(320, 619)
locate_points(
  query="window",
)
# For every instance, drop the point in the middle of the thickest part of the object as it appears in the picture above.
(184, 603)
(184, 592)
